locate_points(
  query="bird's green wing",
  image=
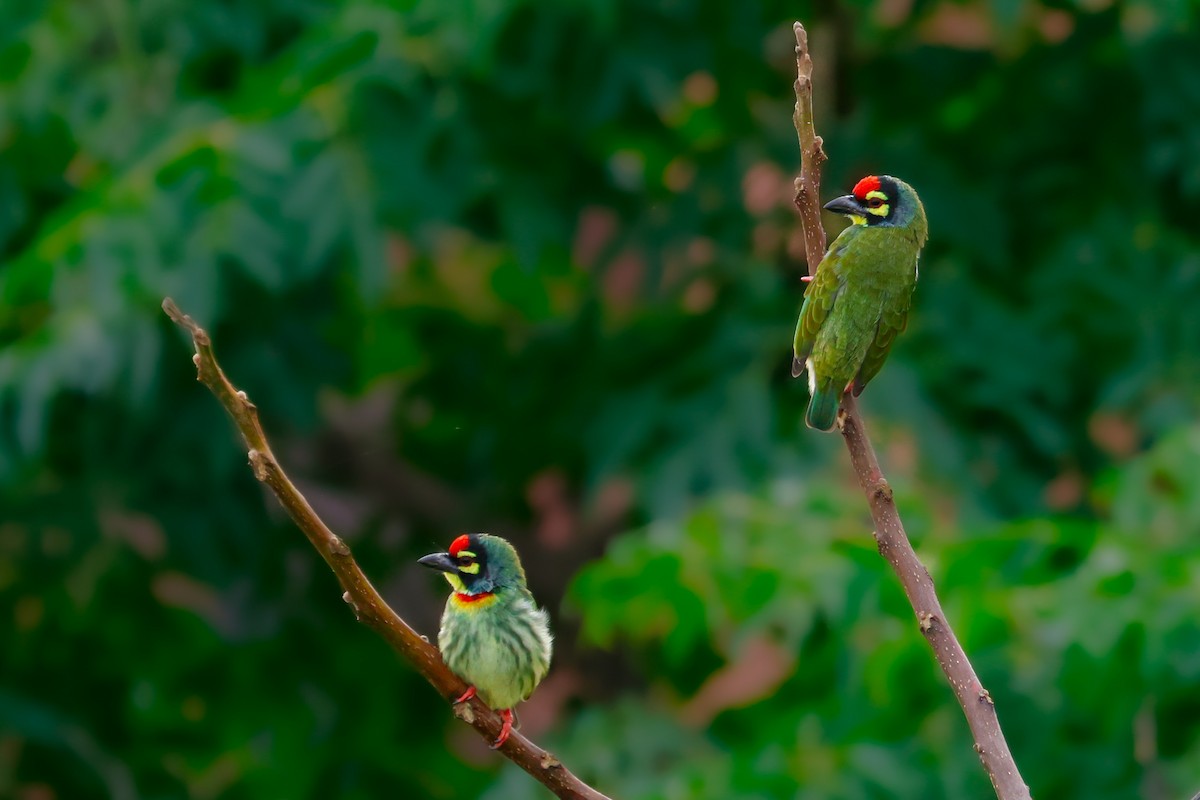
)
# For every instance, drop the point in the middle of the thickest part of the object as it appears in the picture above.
(892, 323)
(822, 293)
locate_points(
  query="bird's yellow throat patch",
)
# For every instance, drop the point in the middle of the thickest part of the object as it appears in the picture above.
(455, 581)
(464, 600)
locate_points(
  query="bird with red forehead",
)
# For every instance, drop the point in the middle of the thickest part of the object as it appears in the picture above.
(858, 300)
(493, 634)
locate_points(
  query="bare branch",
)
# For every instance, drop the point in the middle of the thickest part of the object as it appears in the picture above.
(976, 702)
(368, 606)
(812, 156)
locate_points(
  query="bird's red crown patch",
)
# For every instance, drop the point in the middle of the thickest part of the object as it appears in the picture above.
(459, 544)
(867, 184)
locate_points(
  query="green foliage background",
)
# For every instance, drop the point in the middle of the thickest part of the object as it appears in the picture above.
(532, 268)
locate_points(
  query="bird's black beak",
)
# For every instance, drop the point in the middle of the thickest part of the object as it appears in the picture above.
(439, 561)
(846, 204)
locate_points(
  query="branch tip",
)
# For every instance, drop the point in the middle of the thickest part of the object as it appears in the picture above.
(172, 311)
(801, 38)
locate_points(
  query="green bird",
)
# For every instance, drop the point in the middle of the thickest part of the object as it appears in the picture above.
(493, 635)
(858, 300)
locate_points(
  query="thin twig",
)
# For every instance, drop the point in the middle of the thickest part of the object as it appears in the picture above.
(893, 542)
(368, 606)
(812, 156)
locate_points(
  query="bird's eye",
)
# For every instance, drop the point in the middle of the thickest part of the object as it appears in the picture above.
(874, 202)
(465, 561)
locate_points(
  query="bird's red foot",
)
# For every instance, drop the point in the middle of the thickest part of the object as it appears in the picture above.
(467, 695)
(507, 716)
(805, 278)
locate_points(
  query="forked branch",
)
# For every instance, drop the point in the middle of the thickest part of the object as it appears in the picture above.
(893, 542)
(368, 606)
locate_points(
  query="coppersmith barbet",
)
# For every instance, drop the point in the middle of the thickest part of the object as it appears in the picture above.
(858, 300)
(493, 634)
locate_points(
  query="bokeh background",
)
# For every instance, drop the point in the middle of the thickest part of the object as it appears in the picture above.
(532, 268)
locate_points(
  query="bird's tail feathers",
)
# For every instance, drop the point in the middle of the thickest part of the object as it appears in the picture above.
(823, 408)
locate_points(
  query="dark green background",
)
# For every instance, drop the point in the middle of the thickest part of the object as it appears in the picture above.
(532, 268)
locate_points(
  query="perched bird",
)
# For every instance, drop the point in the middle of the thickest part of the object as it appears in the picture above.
(858, 300)
(493, 634)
